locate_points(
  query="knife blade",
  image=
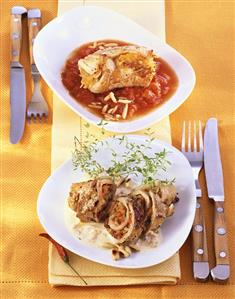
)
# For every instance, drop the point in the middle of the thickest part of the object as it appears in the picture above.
(213, 166)
(17, 78)
(215, 188)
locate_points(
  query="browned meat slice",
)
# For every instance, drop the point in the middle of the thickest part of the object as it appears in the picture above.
(116, 67)
(159, 204)
(125, 221)
(167, 193)
(75, 190)
(163, 198)
(139, 194)
(92, 199)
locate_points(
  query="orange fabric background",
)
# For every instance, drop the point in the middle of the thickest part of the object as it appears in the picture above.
(203, 31)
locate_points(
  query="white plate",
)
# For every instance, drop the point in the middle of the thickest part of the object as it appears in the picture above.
(53, 195)
(83, 24)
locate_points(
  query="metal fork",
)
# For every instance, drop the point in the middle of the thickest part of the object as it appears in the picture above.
(37, 106)
(195, 158)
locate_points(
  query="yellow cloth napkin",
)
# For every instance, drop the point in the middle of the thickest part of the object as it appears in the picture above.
(66, 125)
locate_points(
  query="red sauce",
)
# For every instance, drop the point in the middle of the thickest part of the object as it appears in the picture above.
(144, 99)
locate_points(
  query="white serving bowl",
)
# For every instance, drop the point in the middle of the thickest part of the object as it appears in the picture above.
(83, 24)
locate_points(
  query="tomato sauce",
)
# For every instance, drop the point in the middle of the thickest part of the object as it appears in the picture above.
(143, 99)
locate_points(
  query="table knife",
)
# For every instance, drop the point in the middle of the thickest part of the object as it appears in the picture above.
(215, 188)
(17, 77)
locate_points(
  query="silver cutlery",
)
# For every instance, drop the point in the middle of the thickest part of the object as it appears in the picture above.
(195, 157)
(37, 106)
(215, 188)
(17, 77)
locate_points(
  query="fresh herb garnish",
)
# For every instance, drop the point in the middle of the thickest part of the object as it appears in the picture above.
(82, 157)
(102, 124)
(135, 159)
(86, 125)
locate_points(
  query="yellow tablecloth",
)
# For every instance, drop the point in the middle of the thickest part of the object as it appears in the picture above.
(203, 32)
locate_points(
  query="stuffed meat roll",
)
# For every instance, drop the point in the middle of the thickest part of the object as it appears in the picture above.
(162, 198)
(125, 221)
(116, 67)
(159, 204)
(92, 199)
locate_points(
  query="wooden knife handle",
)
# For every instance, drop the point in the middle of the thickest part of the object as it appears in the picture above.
(16, 37)
(220, 235)
(34, 26)
(200, 252)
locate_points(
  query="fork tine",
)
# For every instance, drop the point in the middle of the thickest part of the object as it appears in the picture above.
(183, 138)
(194, 136)
(200, 136)
(189, 136)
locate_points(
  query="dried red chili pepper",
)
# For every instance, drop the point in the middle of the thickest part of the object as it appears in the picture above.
(60, 249)
(62, 253)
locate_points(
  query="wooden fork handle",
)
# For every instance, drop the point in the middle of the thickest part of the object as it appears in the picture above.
(34, 26)
(200, 252)
(16, 32)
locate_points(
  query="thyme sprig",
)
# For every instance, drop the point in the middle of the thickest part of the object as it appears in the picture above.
(134, 160)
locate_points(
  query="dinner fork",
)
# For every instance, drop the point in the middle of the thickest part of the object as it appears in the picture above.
(37, 106)
(194, 154)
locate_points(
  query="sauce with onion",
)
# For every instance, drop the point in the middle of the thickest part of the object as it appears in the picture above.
(95, 234)
(143, 99)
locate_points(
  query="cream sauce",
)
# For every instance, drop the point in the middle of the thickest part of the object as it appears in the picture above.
(95, 234)
(91, 233)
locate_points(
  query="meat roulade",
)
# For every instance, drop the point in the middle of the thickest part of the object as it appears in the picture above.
(125, 221)
(144, 195)
(121, 66)
(159, 204)
(92, 199)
